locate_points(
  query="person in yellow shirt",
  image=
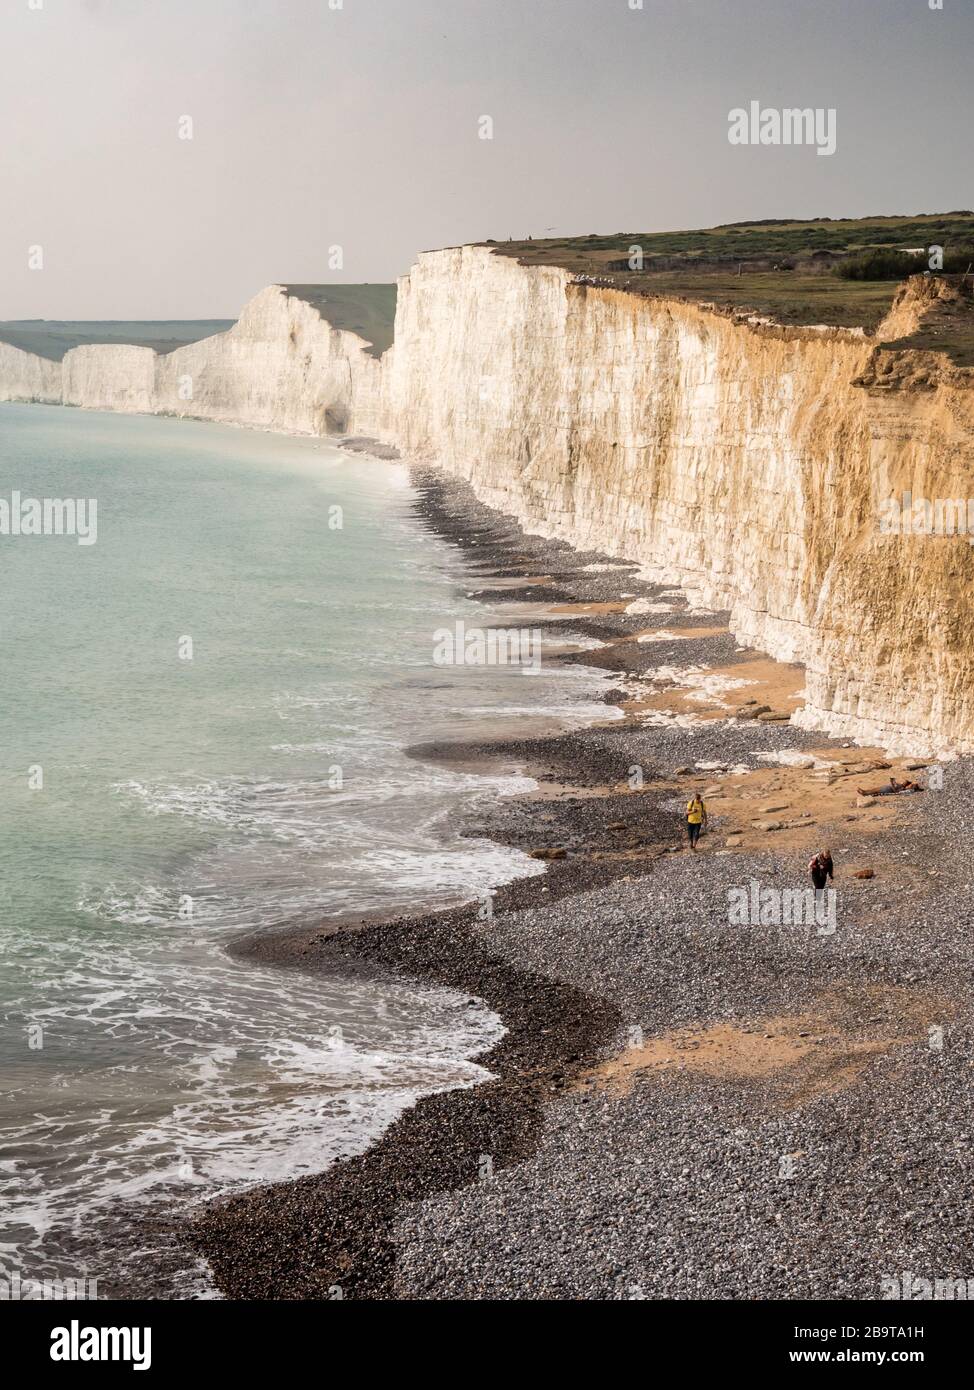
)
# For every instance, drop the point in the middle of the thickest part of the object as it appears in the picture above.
(696, 818)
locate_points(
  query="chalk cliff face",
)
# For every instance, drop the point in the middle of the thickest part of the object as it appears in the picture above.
(281, 367)
(26, 377)
(747, 462)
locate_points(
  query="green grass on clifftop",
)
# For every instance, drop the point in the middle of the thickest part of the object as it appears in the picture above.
(368, 310)
(782, 269)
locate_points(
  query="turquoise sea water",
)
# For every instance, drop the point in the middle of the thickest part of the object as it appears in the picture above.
(155, 806)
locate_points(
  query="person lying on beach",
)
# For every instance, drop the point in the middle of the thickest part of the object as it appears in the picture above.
(821, 869)
(892, 789)
(696, 818)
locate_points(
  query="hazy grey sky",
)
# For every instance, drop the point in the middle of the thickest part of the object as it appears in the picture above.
(358, 126)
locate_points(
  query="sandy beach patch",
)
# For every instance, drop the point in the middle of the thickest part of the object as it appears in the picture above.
(761, 684)
(785, 806)
(775, 683)
(812, 1054)
(805, 802)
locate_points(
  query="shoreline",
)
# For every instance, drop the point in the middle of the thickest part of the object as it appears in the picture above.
(539, 1053)
(368, 1226)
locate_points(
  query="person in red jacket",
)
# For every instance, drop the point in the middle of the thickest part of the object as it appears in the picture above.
(821, 869)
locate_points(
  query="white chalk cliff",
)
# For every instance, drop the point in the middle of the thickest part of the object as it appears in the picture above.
(746, 461)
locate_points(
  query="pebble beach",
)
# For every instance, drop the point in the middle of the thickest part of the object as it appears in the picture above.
(684, 1105)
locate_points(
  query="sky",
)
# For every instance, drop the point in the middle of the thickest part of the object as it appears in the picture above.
(358, 124)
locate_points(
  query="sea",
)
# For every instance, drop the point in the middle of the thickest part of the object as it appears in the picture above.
(205, 708)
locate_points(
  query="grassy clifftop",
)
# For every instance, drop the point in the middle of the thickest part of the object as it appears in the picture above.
(786, 270)
(772, 237)
(368, 310)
